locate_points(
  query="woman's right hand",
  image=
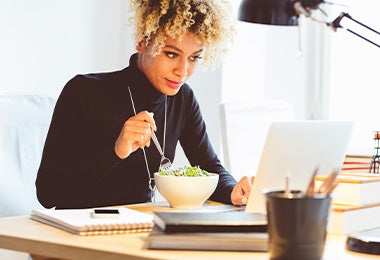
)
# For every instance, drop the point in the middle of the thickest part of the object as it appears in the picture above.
(136, 133)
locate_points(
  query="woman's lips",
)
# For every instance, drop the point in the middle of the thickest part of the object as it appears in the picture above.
(174, 84)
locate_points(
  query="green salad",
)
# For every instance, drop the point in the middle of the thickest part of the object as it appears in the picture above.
(188, 171)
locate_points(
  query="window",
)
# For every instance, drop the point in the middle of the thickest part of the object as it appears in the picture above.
(337, 78)
(354, 73)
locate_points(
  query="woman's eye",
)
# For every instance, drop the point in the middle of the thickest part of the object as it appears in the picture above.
(195, 58)
(171, 54)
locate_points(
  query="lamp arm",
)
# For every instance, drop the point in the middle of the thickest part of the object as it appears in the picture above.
(334, 25)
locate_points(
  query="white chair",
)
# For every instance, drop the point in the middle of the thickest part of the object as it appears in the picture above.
(24, 122)
(243, 132)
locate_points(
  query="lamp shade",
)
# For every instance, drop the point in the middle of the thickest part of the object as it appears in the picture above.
(274, 12)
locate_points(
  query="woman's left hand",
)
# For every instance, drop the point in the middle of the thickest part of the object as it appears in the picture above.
(240, 193)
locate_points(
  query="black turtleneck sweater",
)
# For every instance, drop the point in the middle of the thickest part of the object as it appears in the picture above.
(79, 167)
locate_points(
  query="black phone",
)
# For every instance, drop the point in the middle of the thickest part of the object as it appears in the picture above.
(367, 241)
(105, 213)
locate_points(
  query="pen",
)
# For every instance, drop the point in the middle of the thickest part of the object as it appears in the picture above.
(310, 188)
(327, 186)
(331, 187)
(287, 192)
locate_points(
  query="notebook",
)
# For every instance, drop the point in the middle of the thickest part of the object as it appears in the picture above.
(295, 149)
(82, 221)
(213, 222)
(211, 241)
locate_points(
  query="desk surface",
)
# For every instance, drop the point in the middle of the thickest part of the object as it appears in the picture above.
(23, 234)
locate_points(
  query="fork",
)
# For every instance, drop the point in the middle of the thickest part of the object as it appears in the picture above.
(165, 163)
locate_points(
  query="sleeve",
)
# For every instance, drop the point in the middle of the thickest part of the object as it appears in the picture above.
(199, 151)
(70, 167)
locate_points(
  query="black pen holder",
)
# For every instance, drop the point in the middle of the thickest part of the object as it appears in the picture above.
(297, 225)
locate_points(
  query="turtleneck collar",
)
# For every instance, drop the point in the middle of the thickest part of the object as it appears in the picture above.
(142, 89)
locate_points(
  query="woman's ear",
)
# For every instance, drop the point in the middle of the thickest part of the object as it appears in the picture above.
(140, 47)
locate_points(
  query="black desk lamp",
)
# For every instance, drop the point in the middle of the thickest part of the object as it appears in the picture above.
(287, 12)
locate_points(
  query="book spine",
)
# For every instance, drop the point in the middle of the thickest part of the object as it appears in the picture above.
(357, 194)
(357, 163)
(356, 189)
(348, 221)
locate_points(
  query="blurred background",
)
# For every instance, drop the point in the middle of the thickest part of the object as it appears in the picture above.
(321, 73)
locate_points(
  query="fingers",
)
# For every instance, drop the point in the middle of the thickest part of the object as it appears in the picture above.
(243, 200)
(136, 133)
(140, 128)
(241, 191)
(146, 117)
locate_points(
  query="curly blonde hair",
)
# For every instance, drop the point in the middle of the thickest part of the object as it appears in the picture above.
(209, 20)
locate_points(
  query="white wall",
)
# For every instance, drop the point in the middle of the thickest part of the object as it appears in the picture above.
(45, 43)
(276, 62)
(354, 78)
(260, 66)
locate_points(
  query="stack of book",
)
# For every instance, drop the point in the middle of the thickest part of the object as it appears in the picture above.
(357, 163)
(356, 202)
(218, 231)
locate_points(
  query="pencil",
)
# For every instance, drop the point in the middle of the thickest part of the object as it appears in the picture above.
(329, 181)
(310, 188)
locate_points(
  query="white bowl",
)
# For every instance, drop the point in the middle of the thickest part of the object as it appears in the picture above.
(186, 192)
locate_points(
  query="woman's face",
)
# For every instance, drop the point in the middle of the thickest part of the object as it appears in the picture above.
(173, 66)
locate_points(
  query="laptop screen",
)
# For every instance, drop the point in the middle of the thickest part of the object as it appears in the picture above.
(293, 150)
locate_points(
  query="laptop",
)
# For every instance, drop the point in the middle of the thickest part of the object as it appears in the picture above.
(294, 149)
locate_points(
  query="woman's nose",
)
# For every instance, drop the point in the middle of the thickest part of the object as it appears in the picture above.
(181, 68)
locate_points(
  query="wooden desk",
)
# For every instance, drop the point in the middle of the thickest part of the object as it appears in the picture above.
(23, 234)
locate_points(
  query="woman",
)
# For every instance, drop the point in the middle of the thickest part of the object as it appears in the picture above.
(98, 152)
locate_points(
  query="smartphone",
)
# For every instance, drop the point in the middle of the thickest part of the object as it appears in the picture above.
(105, 213)
(367, 241)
